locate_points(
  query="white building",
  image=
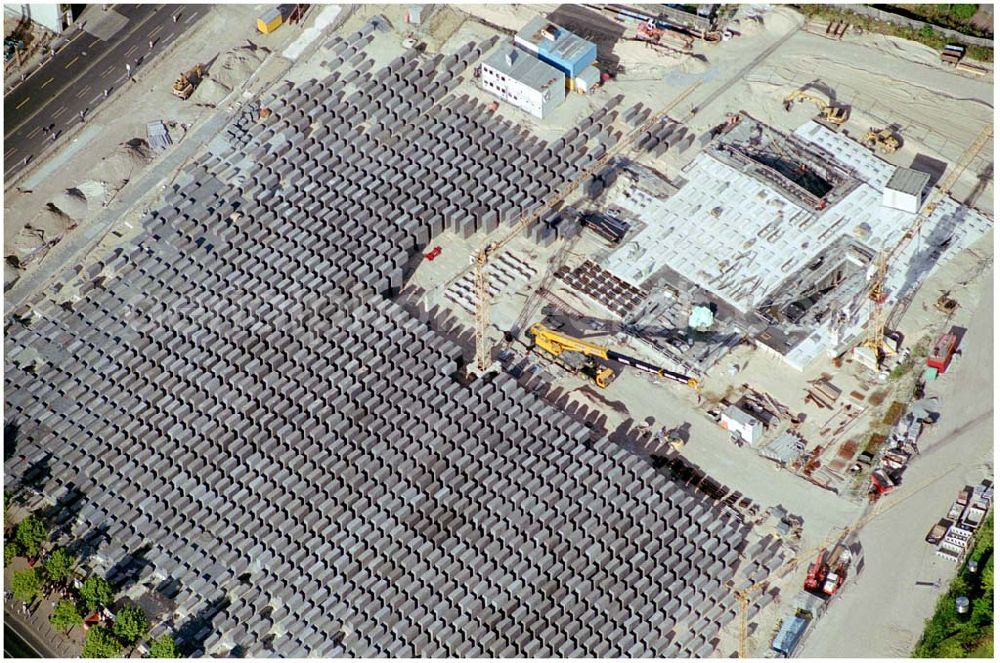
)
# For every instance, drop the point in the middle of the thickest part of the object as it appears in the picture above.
(523, 80)
(904, 190)
(742, 424)
(53, 16)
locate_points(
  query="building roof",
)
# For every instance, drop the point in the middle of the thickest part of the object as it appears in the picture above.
(523, 67)
(789, 633)
(566, 46)
(740, 416)
(908, 181)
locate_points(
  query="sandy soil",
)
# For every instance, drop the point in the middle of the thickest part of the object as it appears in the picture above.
(885, 610)
(92, 159)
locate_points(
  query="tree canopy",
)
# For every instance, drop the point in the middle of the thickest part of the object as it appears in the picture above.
(65, 615)
(10, 551)
(31, 534)
(59, 565)
(131, 625)
(96, 592)
(100, 643)
(26, 585)
(163, 647)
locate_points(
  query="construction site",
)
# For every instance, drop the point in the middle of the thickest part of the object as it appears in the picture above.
(514, 331)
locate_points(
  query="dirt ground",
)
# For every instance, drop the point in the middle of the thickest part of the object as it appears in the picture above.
(884, 612)
(92, 163)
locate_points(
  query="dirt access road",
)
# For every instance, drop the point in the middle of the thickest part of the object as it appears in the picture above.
(885, 610)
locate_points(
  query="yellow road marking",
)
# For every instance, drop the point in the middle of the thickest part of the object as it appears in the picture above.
(59, 112)
(48, 81)
(9, 152)
(155, 30)
(94, 43)
(26, 100)
(82, 91)
(70, 63)
(130, 51)
(34, 131)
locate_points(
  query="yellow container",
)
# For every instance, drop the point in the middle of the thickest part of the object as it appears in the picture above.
(269, 21)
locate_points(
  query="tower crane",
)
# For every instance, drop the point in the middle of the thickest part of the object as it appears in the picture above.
(743, 595)
(493, 247)
(875, 337)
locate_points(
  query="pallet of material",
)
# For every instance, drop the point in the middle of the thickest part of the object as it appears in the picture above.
(971, 69)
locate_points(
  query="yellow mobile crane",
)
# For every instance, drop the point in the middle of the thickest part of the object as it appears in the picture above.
(490, 248)
(875, 339)
(556, 343)
(832, 114)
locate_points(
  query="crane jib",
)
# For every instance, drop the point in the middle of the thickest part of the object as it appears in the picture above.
(647, 367)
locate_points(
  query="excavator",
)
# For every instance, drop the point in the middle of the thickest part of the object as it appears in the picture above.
(883, 139)
(186, 83)
(833, 114)
(555, 344)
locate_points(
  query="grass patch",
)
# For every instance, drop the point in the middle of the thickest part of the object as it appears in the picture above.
(950, 635)
(926, 35)
(894, 413)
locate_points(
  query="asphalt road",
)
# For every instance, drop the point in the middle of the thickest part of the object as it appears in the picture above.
(75, 79)
(20, 642)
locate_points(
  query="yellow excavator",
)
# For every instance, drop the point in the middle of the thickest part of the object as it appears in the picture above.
(833, 114)
(186, 83)
(555, 344)
(883, 139)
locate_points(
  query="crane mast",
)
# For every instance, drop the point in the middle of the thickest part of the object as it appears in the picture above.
(490, 248)
(876, 290)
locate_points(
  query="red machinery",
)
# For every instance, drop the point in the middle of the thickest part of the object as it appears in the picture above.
(942, 351)
(648, 31)
(816, 573)
(881, 484)
(827, 574)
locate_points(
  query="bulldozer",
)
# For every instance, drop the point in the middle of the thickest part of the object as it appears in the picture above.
(186, 83)
(833, 114)
(882, 139)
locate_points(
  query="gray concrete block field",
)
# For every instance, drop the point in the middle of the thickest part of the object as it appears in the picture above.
(494, 330)
(289, 445)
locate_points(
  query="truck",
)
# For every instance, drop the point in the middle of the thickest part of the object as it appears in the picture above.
(937, 532)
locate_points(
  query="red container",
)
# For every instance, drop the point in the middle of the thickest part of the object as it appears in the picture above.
(942, 351)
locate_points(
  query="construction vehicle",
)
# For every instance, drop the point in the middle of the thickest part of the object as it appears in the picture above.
(875, 338)
(835, 115)
(882, 139)
(827, 574)
(946, 304)
(186, 83)
(492, 247)
(556, 343)
(842, 539)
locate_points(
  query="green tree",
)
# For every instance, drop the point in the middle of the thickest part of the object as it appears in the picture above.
(59, 565)
(10, 551)
(962, 12)
(100, 643)
(131, 625)
(163, 647)
(66, 615)
(31, 534)
(95, 592)
(26, 585)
